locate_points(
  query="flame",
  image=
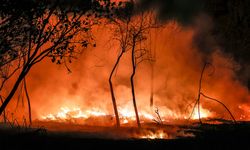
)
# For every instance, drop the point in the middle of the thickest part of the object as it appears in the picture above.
(246, 112)
(126, 115)
(175, 82)
(67, 113)
(159, 134)
(204, 113)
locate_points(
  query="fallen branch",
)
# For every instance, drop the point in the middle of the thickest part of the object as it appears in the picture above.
(210, 98)
(221, 104)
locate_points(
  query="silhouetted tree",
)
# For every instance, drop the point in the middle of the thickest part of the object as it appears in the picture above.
(131, 29)
(33, 30)
(200, 93)
(144, 22)
(120, 22)
(28, 100)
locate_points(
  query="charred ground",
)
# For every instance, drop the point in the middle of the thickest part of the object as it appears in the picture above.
(207, 136)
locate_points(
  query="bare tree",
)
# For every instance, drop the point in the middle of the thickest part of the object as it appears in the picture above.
(123, 39)
(119, 20)
(152, 86)
(130, 27)
(139, 53)
(152, 66)
(28, 100)
(200, 93)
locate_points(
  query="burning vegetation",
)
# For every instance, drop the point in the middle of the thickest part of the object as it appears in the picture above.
(122, 69)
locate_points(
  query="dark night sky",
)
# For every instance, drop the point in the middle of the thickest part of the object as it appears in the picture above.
(231, 19)
(230, 26)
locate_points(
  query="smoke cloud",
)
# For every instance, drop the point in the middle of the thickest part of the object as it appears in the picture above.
(181, 10)
(177, 70)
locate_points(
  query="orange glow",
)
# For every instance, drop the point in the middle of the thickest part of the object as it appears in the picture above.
(246, 112)
(204, 113)
(155, 135)
(67, 113)
(83, 96)
(127, 116)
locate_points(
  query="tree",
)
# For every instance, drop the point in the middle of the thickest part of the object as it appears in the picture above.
(131, 29)
(120, 22)
(151, 100)
(42, 29)
(139, 32)
(200, 93)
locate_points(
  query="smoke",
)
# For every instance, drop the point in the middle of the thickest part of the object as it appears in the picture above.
(181, 10)
(177, 71)
(181, 49)
(223, 23)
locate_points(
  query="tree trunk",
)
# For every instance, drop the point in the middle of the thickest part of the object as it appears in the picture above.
(28, 99)
(152, 86)
(15, 87)
(112, 90)
(199, 91)
(4, 114)
(132, 84)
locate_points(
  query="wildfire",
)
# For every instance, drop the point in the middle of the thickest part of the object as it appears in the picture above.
(129, 115)
(155, 135)
(246, 112)
(98, 117)
(66, 113)
(126, 115)
(204, 113)
(175, 84)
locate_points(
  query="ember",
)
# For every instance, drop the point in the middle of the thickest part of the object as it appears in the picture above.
(158, 135)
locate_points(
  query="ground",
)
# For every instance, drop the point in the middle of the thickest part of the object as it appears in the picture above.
(207, 136)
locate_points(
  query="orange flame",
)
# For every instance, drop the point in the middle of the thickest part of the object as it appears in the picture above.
(246, 112)
(159, 134)
(67, 113)
(204, 113)
(126, 115)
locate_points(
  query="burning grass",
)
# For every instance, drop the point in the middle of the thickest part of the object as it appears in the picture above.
(96, 116)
